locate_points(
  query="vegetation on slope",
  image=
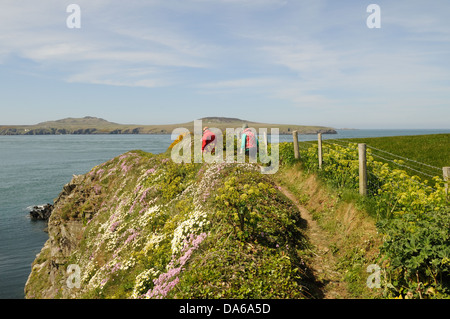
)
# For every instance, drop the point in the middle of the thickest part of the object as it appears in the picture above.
(151, 228)
(429, 149)
(156, 229)
(412, 214)
(344, 236)
(420, 155)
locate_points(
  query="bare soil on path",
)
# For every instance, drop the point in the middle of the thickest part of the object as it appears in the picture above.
(323, 263)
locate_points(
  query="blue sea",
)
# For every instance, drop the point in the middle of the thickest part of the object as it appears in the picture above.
(33, 170)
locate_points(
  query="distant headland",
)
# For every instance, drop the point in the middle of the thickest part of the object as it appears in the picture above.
(95, 125)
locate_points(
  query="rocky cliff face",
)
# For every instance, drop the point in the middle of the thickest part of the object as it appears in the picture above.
(41, 212)
(142, 226)
(93, 125)
(48, 270)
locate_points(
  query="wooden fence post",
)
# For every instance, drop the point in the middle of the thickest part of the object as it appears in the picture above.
(265, 139)
(295, 137)
(446, 175)
(362, 169)
(319, 146)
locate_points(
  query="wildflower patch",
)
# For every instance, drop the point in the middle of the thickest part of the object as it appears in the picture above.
(160, 229)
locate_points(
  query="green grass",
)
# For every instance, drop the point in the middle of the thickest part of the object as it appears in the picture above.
(337, 211)
(412, 218)
(431, 149)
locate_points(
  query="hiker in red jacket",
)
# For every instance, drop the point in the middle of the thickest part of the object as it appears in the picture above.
(208, 140)
(249, 142)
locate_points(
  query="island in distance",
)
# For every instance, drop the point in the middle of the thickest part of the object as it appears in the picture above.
(95, 125)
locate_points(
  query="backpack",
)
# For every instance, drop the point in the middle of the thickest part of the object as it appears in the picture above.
(251, 140)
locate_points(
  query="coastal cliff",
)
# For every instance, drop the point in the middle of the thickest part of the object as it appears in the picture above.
(94, 125)
(142, 226)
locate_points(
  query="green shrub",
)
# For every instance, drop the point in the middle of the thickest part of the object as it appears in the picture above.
(412, 214)
(287, 156)
(417, 253)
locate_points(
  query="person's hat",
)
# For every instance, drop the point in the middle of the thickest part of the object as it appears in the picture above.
(245, 126)
(205, 128)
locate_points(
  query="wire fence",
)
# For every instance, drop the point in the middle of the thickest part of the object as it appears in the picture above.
(417, 173)
(410, 209)
(423, 169)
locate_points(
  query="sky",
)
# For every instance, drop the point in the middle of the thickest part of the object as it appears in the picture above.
(304, 62)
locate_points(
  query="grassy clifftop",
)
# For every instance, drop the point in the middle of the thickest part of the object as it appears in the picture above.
(142, 226)
(93, 125)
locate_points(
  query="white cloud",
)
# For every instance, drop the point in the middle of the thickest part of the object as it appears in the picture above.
(242, 83)
(123, 76)
(308, 54)
(240, 3)
(36, 31)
